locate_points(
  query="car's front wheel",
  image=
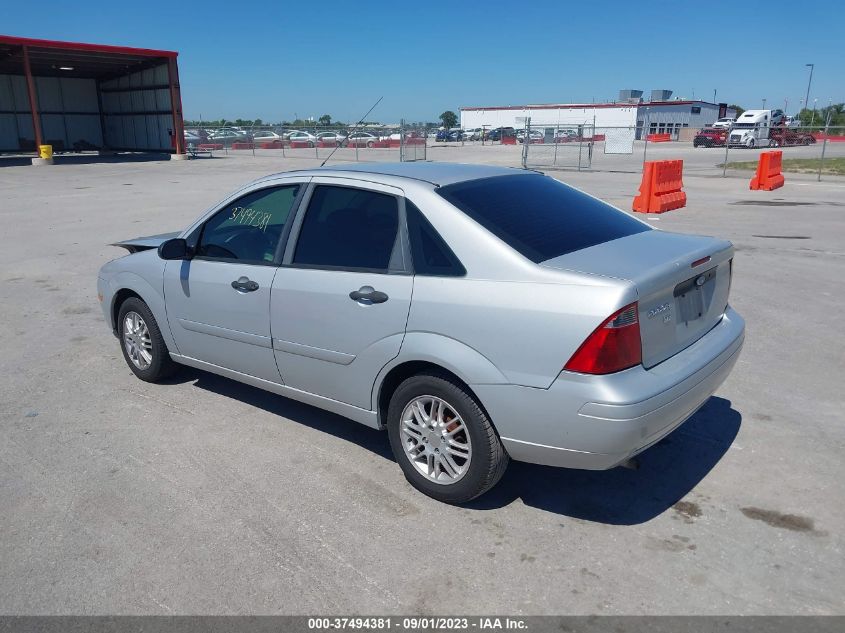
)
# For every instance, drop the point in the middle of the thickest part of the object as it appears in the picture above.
(443, 440)
(143, 346)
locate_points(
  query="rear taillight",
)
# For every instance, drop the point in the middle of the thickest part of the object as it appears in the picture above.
(613, 346)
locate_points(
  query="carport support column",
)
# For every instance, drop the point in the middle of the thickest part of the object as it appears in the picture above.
(33, 99)
(176, 106)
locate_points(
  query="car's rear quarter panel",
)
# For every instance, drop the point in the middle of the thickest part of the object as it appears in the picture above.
(527, 330)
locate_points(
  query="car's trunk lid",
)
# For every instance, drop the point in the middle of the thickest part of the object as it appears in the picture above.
(678, 302)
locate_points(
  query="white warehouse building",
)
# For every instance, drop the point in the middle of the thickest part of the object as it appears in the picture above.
(658, 117)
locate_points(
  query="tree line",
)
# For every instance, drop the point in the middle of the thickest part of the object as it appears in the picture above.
(325, 121)
(819, 117)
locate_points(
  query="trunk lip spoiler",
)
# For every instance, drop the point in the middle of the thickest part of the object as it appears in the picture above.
(145, 243)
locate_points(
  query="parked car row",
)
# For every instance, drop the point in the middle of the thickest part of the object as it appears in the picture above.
(228, 135)
(564, 135)
(340, 138)
(474, 134)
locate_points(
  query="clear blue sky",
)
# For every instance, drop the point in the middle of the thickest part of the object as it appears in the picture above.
(275, 60)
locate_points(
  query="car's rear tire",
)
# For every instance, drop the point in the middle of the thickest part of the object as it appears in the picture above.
(143, 347)
(370, 144)
(430, 413)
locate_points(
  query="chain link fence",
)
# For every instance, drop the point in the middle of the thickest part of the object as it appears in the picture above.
(550, 145)
(367, 142)
(713, 151)
(709, 151)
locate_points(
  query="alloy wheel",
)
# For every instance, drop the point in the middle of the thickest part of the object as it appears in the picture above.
(137, 340)
(435, 439)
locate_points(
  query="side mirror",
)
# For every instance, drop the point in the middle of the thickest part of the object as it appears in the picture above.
(176, 248)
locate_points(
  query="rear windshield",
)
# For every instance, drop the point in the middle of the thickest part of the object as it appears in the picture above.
(538, 216)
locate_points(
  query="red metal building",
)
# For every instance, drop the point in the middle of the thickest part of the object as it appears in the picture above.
(77, 96)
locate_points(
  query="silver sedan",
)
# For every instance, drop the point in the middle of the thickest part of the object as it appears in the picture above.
(478, 314)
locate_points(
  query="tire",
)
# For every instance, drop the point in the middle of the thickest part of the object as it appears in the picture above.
(487, 459)
(750, 144)
(159, 365)
(310, 144)
(370, 144)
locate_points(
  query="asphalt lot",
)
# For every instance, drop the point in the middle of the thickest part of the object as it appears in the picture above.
(203, 496)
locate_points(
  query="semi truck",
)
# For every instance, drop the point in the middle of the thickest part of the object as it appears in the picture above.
(765, 128)
(751, 129)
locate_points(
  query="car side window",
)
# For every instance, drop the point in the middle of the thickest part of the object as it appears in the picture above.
(248, 230)
(431, 255)
(348, 228)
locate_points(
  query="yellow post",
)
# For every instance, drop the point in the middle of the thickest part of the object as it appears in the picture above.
(45, 151)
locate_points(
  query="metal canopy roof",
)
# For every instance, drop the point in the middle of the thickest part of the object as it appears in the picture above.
(96, 61)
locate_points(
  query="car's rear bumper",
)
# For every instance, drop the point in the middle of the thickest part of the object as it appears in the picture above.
(596, 422)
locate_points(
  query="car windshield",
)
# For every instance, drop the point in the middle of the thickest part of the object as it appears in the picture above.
(538, 216)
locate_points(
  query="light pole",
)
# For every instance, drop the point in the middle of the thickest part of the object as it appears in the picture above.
(813, 119)
(809, 81)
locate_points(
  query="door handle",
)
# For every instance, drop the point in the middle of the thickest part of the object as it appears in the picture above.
(368, 294)
(245, 284)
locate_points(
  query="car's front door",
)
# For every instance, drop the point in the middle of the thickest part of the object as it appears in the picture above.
(340, 301)
(218, 302)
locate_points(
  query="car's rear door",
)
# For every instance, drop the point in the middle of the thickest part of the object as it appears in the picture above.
(340, 301)
(218, 303)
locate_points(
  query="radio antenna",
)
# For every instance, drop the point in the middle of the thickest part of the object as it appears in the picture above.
(355, 129)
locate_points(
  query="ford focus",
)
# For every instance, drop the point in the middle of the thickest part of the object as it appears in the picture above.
(478, 314)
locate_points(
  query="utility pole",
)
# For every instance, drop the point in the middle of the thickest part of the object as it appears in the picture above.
(809, 81)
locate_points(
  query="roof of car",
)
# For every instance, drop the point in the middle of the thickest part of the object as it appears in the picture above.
(434, 173)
